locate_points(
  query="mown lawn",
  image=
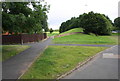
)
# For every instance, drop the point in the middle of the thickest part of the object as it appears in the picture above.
(116, 34)
(52, 34)
(57, 60)
(86, 39)
(73, 30)
(11, 50)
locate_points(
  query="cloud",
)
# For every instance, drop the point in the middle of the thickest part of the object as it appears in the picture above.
(62, 10)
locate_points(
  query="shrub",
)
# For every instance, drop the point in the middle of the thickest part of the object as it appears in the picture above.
(96, 23)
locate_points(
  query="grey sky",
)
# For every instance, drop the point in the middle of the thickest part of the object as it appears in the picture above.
(62, 10)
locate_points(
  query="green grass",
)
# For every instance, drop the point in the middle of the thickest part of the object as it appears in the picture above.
(86, 39)
(11, 50)
(73, 30)
(0, 53)
(69, 31)
(57, 60)
(53, 34)
(116, 34)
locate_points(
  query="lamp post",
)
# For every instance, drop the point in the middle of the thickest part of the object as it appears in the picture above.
(119, 9)
(85, 6)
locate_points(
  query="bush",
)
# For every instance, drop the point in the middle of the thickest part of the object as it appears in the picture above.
(51, 30)
(95, 23)
(117, 23)
(69, 24)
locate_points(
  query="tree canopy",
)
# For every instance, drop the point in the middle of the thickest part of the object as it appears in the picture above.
(91, 22)
(95, 23)
(117, 22)
(18, 17)
(69, 24)
(51, 30)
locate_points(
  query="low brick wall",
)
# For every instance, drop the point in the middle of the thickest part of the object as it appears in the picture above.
(22, 38)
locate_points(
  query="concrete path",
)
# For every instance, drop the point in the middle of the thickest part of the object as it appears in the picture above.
(104, 66)
(81, 45)
(14, 67)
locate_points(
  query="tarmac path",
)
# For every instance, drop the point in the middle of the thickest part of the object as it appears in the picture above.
(14, 67)
(104, 66)
(81, 45)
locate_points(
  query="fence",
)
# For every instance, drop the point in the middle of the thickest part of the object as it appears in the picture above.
(22, 38)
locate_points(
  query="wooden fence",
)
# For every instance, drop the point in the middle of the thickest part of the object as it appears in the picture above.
(22, 38)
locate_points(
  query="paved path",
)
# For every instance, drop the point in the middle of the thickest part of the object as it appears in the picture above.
(81, 45)
(15, 66)
(104, 66)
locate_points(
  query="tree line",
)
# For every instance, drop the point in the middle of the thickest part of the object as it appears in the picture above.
(18, 17)
(91, 22)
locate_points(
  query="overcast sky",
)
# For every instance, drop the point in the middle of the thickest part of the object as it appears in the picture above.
(62, 10)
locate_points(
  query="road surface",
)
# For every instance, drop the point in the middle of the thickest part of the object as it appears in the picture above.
(104, 66)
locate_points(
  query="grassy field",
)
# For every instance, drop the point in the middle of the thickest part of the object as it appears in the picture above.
(11, 50)
(53, 33)
(57, 60)
(73, 30)
(86, 39)
(116, 34)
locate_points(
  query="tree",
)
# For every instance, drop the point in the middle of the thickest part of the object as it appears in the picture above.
(19, 18)
(108, 19)
(51, 30)
(95, 23)
(40, 15)
(69, 24)
(14, 16)
(117, 22)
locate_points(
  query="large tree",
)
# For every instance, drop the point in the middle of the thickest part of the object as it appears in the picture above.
(18, 17)
(117, 22)
(95, 23)
(69, 24)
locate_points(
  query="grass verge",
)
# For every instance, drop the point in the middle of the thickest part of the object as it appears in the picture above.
(11, 50)
(57, 60)
(86, 39)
